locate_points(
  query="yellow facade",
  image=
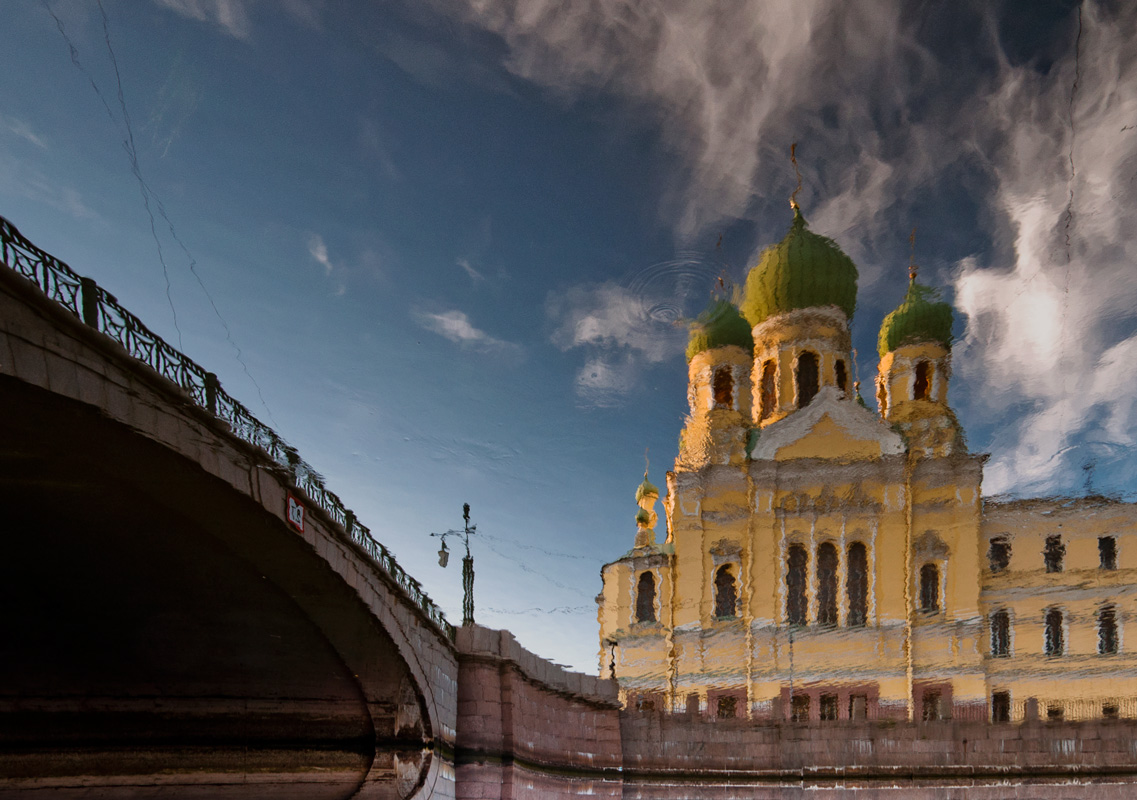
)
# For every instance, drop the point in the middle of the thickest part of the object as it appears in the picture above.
(824, 561)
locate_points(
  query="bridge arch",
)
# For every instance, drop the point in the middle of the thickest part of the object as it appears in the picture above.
(104, 453)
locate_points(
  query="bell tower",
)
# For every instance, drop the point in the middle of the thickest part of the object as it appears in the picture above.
(915, 367)
(799, 299)
(719, 356)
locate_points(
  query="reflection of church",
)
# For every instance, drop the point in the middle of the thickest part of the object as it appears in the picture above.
(822, 561)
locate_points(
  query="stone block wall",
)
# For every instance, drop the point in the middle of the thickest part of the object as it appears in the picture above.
(676, 755)
(528, 728)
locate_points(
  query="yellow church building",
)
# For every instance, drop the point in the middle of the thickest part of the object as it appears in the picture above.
(822, 562)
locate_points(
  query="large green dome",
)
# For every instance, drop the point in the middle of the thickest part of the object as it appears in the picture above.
(922, 317)
(804, 270)
(719, 325)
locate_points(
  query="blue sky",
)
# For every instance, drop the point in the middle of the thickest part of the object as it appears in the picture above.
(451, 244)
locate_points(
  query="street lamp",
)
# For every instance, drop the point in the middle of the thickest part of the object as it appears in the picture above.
(467, 563)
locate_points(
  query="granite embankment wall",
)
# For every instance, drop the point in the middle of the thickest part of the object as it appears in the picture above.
(529, 729)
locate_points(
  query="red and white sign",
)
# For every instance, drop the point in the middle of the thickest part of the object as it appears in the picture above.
(295, 512)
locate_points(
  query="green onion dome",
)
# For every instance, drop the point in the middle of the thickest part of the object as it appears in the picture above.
(804, 270)
(922, 317)
(719, 325)
(645, 489)
(643, 517)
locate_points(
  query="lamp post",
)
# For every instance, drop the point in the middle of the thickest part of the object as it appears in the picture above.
(467, 563)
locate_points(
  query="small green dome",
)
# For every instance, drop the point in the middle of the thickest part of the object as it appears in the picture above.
(719, 325)
(642, 517)
(804, 270)
(922, 317)
(646, 489)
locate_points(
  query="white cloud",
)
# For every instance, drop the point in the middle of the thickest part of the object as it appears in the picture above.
(20, 128)
(887, 119)
(469, 270)
(234, 16)
(230, 15)
(319, 252)
(456, 326)
(608, 316)
(1054, 334)
(731, 85)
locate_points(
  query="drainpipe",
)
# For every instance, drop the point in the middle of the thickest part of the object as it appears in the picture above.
(909, 608)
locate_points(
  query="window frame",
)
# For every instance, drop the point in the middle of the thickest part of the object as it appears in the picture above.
(828, 615)
(922, 373)
(800, 386)
(851, 620)
(722, 377)
(998, 698)
(768, 390)
(799, 702)
(1110, 610)
(1054, 554)
(1007, 635)
(639, 606)
(937, 608)
(1107, 556)
(1001, 542)
(726, 568)
(791, 587)
(1054, 634)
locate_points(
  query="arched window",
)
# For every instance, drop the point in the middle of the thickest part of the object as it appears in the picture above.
(857, 585)
(796, 606)
(645, 598)
(726, 595)
(1054, 639)
(826, 584)
(723, 388)
(806, 376)
(769, 398)
(929, 588)
(1000, 634)
(1107, 631)
(842, 376)
(882, 398)
(923, 383)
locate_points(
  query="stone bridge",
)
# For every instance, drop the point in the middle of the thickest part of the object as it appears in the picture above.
(187, 611)
(162, 607)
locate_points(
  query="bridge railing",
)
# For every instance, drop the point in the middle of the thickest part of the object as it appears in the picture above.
(100, 310)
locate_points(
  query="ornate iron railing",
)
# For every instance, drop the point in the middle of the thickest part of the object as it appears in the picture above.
(100, 310)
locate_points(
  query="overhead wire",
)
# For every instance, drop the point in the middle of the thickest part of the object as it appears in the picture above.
(527, 568)
(125, 129)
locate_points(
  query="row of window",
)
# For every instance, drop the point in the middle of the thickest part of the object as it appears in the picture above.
(933, 704)
(856, 593)
(1055, 712)
(1053, 554)
(726, 594)
(1054, 632)
(807, 382)
(797, 601)
(921, 385)
(828, 706)
(856, 585)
